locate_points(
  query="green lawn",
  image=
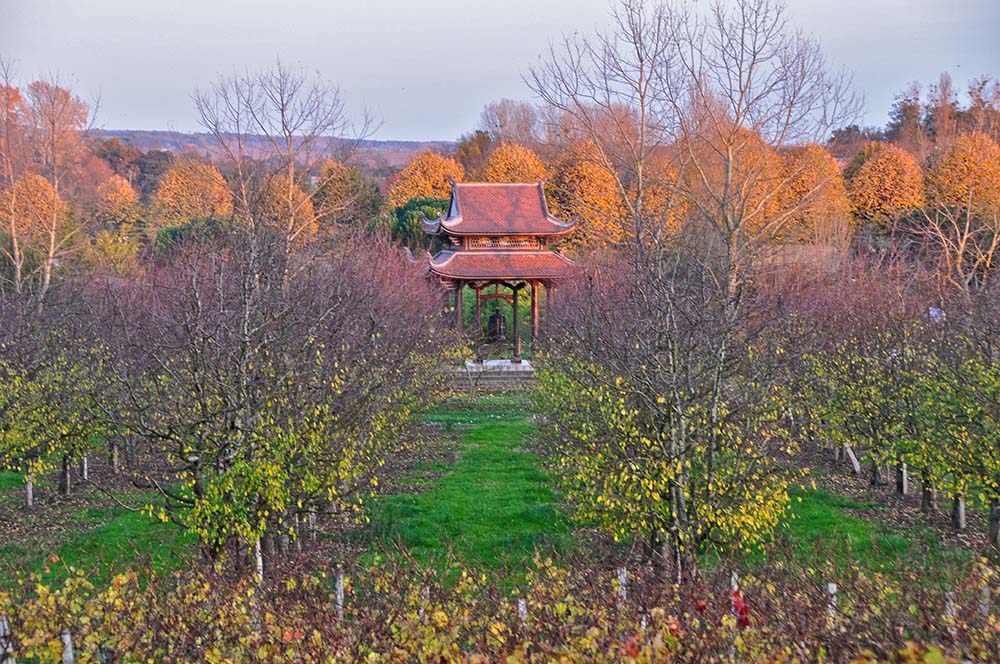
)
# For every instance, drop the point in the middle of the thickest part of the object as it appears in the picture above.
(825, 527)
(116, 539)
(493, 506)
(10, 480)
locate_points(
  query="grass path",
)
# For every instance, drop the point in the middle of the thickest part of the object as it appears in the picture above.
(493, 506)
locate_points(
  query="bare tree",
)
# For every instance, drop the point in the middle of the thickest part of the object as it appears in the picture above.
(511, 121)
(12, 157)
(55, 119)
(273, 127)
(686, 339)
(719, 92)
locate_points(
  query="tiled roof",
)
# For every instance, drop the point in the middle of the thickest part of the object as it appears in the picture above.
(474, 265)
(486, 208)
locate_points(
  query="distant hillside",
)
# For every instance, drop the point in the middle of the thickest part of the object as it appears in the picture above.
(377, 156)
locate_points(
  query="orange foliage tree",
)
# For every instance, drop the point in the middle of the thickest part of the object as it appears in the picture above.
(733, 179)
(664, 209)
(192, 190)
(345, 195)
(117, 204)
(55, 119)
(40, 218)
(884, 182)
(12, 157)
(426, 176)
(581, 188)
(962, 220)
(290, 213)
(815, 192)
(511, 162)
(35, 204)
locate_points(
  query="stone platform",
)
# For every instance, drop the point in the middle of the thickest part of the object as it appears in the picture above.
(493, 376)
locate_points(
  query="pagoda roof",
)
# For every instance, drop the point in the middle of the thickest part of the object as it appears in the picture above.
(488, 208)
(505, 265)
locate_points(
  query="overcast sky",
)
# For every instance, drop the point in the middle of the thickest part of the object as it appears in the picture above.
(427, 67)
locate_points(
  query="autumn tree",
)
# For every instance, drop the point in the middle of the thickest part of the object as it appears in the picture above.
(816, 189)
(473, 150)
(426, 176)
(884, 182)
(13, 158)
(275, 209)
(121, 157)
(661, 425)
(511, 162)
(117, 205)
(962, 219)
(152, 166)
(581, 189)
(192, 190)
(345, 197)
(294, 119)
(55, 119)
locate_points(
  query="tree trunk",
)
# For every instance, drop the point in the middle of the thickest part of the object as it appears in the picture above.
(928, 494)
(298, 534)
(876, 475)
(65, 482)
(258, 562)
(84, 468)
(902, 477)
(994, 531)
(958, 512)
(115, 459)
(29, 491)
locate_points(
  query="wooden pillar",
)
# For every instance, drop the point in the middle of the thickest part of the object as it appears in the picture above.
(458, 306)
(479, 312)
(517, 325)
(534, 311)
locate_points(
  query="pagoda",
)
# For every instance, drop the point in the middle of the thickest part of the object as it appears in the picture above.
(499, 235)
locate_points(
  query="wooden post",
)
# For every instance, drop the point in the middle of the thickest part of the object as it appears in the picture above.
(340, 595)
(6, 642)
(517, 325)
(534, 311)
(950, 614)
(458, 306)
(68, 656)
(855, 464)
(831, 601)
(425, 599)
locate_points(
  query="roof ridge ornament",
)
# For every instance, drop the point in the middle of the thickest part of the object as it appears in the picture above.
(430, 226)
